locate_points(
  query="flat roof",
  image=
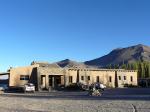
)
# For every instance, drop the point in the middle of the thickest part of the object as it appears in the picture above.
(4, 73)
(89, 69)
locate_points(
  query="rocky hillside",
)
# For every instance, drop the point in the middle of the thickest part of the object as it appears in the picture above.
(69, 63)
(122, 55)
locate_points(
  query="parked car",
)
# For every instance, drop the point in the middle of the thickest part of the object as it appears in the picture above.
(3, 87)
(102, 86)
(29, 87)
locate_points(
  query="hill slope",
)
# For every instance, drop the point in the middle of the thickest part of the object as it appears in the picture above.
(123, 55)
(69, 64)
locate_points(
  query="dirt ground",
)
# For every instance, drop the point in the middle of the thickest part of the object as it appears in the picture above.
(133, 101)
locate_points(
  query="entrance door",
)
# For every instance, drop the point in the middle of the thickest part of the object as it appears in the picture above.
(58, 80)
(54, 82)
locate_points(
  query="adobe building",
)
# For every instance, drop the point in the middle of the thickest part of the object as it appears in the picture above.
(47, 76)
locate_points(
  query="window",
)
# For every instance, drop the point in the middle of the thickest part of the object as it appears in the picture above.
(70, 79)
(131, 78)
(119, 77)
(24, 77)
(88, 77)
(110, 79)
(82, 77)
(97, 79)
(124, 77)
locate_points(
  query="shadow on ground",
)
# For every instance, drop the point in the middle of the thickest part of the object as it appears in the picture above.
(109, 94)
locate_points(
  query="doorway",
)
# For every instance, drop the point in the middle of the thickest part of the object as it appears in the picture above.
(54, 82)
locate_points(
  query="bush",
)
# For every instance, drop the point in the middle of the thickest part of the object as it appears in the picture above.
(129, 85)
(72, 86)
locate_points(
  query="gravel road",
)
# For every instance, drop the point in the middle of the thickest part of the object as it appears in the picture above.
(73, 103)
(18, 104)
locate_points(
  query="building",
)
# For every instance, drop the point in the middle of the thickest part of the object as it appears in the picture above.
(47, 76)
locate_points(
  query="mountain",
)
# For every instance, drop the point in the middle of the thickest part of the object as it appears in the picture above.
(122, 55)
(45, 64)
(71, 64)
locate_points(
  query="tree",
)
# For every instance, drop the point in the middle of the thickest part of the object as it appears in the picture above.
(149, 69)
(143, 68)
(124, 66)
(110, 66)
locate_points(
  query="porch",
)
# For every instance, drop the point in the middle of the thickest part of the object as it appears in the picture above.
(51, 82)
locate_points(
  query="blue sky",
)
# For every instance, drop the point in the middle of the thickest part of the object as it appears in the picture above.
(52, 30)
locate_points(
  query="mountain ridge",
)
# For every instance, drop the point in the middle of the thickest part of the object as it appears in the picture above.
(117, 56)
(120, 56)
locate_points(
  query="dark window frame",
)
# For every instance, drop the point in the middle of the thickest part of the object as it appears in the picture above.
(110, 79)
(82, 77)
(24, 77)
(125, 78)
(70, 79)
(131, 78)
(97, 79)
(89, 78)
(119, 77)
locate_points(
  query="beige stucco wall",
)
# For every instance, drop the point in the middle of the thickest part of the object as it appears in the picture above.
(85, 74)
(72, 73)
(128, 74)
(15, 73)
(46, 71)
(103, 75)
(50, 71)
